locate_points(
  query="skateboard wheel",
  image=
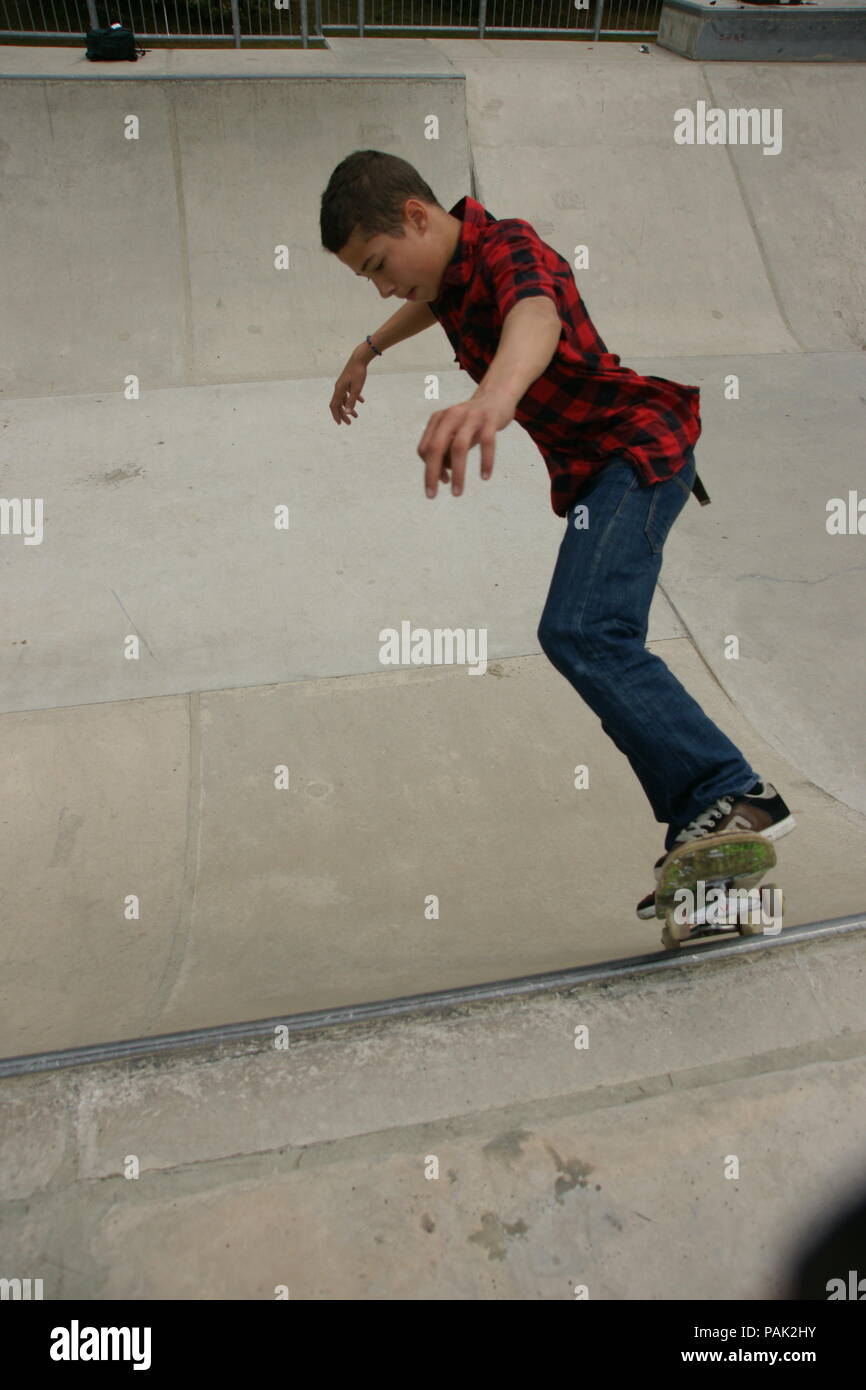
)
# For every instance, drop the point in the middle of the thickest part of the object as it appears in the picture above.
(676, 931)
(778, 902)
(680, 931)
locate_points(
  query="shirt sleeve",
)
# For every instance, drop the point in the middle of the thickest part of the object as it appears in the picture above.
(518, 269)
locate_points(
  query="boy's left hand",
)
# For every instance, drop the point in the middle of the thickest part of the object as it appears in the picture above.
(451, 433)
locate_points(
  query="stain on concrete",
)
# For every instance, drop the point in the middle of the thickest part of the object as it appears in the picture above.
(493, 1233)
(573, 1172)
(508, 1146)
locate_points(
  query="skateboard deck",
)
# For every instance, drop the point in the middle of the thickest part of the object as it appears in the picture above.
(708, 888)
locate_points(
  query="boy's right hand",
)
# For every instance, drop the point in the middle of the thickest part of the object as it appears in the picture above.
(348, 389)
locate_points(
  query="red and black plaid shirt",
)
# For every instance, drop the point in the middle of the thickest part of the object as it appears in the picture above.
(585, 406)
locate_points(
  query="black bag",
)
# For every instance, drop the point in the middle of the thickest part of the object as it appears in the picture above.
(112, 45)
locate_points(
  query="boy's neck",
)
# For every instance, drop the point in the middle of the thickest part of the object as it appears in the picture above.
(451, 230)
(455, 231)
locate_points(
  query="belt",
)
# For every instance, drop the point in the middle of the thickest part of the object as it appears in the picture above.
(700, 491)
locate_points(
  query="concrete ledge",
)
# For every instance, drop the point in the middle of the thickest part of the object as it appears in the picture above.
(727, 29)
(606, 1165)
(358, 58)
(676, 1029)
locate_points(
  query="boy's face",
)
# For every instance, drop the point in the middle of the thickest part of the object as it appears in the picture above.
(408, 267)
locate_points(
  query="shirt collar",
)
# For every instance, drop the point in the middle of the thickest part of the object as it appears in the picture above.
(475, 219)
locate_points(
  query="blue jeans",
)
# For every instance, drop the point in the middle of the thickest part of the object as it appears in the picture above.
(593, 629)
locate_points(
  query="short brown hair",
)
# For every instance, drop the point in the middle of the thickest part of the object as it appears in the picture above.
(368, 190)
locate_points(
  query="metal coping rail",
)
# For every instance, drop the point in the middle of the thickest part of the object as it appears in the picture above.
(553, 980)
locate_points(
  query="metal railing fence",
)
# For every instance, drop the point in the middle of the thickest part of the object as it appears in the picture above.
(305, 23)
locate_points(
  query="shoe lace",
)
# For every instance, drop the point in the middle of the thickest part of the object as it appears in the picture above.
(705, 822)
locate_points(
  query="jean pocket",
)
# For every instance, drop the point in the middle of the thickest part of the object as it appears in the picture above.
(667, 500)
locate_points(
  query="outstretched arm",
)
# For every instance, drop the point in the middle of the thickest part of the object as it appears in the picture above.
(529, 338)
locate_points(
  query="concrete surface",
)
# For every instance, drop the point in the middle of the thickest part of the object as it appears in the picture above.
(259, 650)
(476, 1155)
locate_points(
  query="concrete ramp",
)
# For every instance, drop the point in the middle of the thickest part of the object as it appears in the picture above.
(156, 254)
(157, 877)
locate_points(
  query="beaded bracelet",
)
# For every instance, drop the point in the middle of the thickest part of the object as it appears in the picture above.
(373, 346)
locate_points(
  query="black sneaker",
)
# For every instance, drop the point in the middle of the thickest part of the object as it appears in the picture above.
(759, 809)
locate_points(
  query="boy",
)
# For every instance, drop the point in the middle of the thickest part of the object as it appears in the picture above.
(618, 449)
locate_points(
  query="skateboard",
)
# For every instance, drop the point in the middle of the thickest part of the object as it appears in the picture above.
(708, 888)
